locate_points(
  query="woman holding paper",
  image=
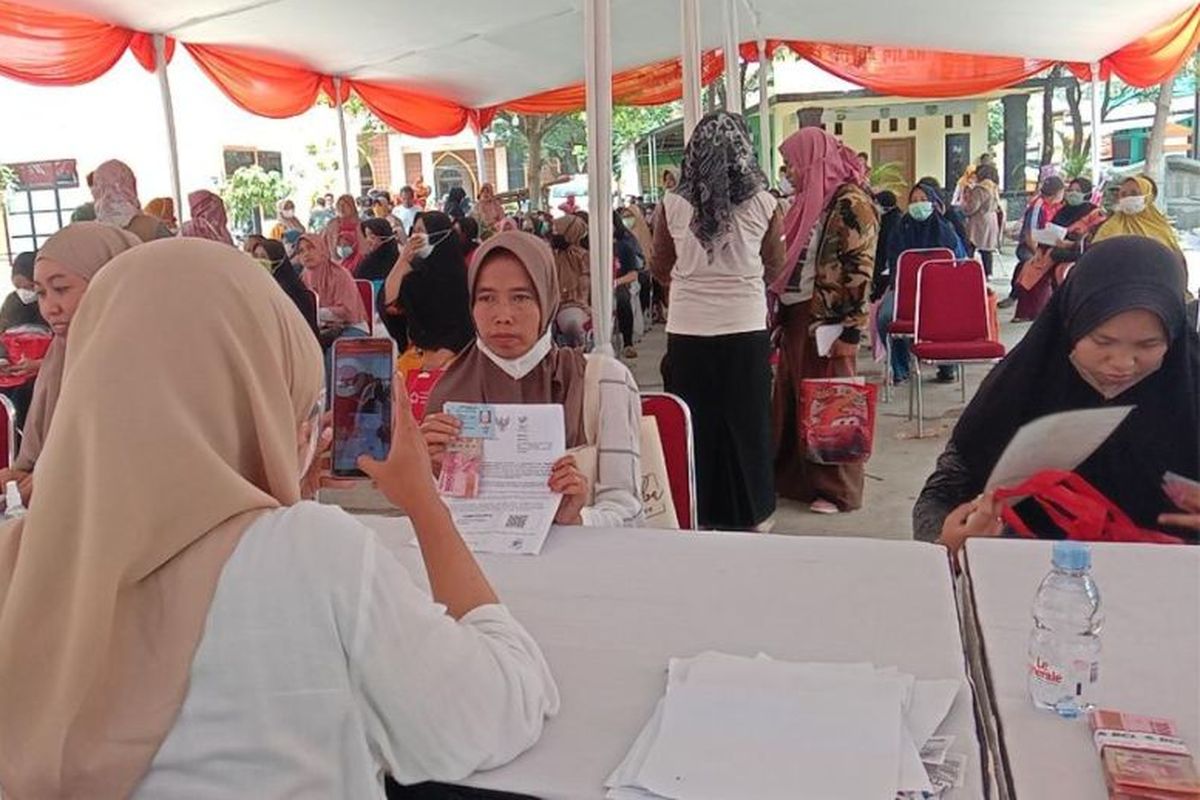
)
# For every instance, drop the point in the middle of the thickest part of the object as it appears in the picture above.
(1115, 334)
(832, 230)
(514, 295)
(186, 626)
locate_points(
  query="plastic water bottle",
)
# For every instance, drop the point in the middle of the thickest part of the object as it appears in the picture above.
(1064, 646)
(13, 507)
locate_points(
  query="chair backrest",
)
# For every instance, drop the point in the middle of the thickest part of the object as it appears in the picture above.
(366, 290)
(8, 432)
(952, 304)
(675, 428)
(907, 266)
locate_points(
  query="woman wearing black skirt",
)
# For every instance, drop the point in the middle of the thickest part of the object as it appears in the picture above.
(718, 240)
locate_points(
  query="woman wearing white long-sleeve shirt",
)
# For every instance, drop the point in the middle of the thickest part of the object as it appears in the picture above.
(514, 297)
(184, 626)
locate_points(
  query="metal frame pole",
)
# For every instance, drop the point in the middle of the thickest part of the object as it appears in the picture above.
(764, 111)
(1096, 137)
(341, 116)
(690, 61)
(480, 170)
(597, 34)
(168, 107)
(733, 77)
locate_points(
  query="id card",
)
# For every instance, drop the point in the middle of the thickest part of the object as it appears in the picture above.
(478, 419)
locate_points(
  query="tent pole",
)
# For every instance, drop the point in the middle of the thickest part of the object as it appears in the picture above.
(341, 115)
(764, 111)
(690, 60)
(653, 167)
(164, 88)
(733, 76)
(597, 46)
(1096, 137)
(479, 168)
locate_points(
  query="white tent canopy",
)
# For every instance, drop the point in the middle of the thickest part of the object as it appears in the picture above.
(483, 52)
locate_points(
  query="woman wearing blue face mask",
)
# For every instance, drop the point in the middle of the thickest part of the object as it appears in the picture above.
(922, 227)
(424, 302)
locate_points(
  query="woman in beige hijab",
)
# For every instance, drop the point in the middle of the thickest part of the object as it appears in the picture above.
(571, 260)
(62, 273)
(184, 626)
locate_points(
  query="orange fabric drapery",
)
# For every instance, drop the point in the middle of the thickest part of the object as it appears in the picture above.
(1154, 57)
(918, 73)
(55, 49)
(412, 112)
(651, 85)
(267, 85)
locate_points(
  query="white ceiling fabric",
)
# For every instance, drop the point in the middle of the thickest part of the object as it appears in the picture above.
(483, 52)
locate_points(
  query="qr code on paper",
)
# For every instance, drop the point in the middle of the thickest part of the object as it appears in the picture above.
(517, 521)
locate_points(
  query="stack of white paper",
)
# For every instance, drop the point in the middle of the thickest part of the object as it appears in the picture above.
(731, 726)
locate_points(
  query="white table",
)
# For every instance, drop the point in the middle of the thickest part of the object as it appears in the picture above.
(1150, 663)
(610, 607)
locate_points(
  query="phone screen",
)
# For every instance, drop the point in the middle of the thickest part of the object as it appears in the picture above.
(363, 371)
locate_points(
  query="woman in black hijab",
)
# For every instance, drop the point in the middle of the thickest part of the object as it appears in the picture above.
(889, 217)
(382, 252)
(274, 257)
(425, 302)
(457, 206)
(1115, 334)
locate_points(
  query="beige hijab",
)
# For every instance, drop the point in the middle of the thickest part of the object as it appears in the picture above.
(557, 378)
(147, 481)
(83, 248)
(571, 260)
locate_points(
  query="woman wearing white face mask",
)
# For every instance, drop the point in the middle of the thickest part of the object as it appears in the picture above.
(20, 309)
(288, 221)
(424, 302)
(1136, 215)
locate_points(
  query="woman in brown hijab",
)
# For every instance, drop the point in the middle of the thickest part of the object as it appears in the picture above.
(62, 273)
(184, 626)
(571, 261)
(514, 295)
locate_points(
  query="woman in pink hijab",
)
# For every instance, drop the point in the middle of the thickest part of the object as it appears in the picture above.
(832, 229)
(209, 220)
(114, 190)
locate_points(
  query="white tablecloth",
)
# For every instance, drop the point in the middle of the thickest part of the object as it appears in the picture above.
(609, 607)
(1150, 662)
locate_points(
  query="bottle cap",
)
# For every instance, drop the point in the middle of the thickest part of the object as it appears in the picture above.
(1073, 556)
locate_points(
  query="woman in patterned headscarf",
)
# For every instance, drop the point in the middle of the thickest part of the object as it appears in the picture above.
(114, 189)
(209, 220)
(718, 240)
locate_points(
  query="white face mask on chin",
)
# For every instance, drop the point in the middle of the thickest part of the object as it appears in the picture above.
(1108, 392)
(27, 296)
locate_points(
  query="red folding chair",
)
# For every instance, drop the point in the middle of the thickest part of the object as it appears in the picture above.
(366, 290)
(908, 264)
(952, 322)
(675, 429)
(8, 432)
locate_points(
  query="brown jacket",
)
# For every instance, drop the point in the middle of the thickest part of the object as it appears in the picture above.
(846, 260)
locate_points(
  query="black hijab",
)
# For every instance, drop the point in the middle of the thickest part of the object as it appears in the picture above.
(1070, 214)
(289, 280)
(1161, 434)
(889, 218)
(378, 263)
(456, 203)
(436, 302)
(719, 172)
(913, 234)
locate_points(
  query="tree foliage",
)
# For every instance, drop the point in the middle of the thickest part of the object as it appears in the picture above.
(252, 189)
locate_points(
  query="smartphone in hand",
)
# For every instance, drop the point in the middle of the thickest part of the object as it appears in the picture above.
(363, 371)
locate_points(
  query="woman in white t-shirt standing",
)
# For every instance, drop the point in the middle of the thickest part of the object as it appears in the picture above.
(718, 241)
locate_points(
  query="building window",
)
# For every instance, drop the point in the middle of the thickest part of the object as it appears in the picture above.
(893, 125)
(912, 123)
(949, 121)
(874, 126)
(966, 120)
(238, 157)
(837, 129)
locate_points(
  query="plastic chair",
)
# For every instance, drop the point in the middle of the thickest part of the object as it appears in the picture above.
(366, 290)
(8, 432)
(908, 264)
(675, 429)
(952, 322)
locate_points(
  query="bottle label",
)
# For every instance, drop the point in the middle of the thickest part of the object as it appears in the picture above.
(1045, 672)
(1077, 676)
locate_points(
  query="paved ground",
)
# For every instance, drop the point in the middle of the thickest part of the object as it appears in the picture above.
(896, 472)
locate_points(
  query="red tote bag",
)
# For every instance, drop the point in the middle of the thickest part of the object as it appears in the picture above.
(1079, 509)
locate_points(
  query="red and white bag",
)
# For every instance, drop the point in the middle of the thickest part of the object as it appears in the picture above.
(837, 419)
